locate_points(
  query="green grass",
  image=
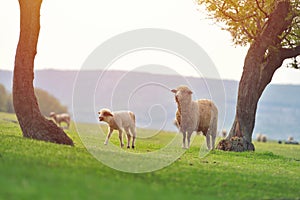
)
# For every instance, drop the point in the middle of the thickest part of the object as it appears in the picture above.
(32, 169)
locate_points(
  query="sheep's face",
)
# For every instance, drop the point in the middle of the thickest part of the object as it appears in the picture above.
(182, 93)
(105, 115)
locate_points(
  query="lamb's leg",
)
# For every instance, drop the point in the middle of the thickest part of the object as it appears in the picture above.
(183, 140)
(128, 138)
(208, 140)
(121, 138)
(133, 131)
(189, 139)
(108, 136)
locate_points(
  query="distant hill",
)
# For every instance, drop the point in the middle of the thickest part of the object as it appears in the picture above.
(147, 95)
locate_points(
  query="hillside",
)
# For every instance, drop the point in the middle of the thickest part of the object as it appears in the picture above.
(31, 169)
(148, 96)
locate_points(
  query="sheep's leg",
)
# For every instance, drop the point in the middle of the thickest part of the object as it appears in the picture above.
(213, 138)
(213, 132)
(133, 131)
(189, 138)
(183, 140)
(121, 138)
(108, 136)
(208, 140)
(128, 138)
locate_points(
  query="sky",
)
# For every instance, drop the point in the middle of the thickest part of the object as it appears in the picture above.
(72, 29)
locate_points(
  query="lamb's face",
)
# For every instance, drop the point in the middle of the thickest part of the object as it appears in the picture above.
(182, 93)
(105, 115)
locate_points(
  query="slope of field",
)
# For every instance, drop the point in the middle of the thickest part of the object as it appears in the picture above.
(32, 169)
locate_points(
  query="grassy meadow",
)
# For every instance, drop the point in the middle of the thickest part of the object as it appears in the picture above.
(32, 169)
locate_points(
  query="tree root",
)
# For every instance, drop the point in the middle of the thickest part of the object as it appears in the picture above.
(237, 144)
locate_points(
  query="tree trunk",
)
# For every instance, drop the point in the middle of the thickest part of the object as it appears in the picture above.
(264, 57)
(33, 123)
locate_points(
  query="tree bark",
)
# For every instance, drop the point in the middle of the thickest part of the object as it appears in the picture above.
(33, 124)
(262, 60)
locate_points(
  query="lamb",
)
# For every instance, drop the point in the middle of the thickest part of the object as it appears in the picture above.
(200, 115)
(118, 121)
(59, 118)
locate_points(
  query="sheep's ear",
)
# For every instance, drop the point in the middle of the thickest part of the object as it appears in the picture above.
(174, 90)
(190, 92)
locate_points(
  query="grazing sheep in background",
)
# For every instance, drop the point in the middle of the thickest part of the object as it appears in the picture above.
(118, 121)
(59, 118)
(264, 138)
(258, 137)
(200, 115)
(290, 138)
(261, 138)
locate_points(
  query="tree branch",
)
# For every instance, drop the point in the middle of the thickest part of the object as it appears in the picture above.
(290, 53)
(277, 23)
(290, 43)
(295, 35)
(260, 8)
(274, 27)
(236, 19)
(274, 61)
(287, 32)
(251, 36)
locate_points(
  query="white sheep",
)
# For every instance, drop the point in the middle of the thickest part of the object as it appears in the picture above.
(59, 118)
(200, 115)
(290, 138)
(264, 138)
(261, 138)
(118, 121)
(258, 137)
